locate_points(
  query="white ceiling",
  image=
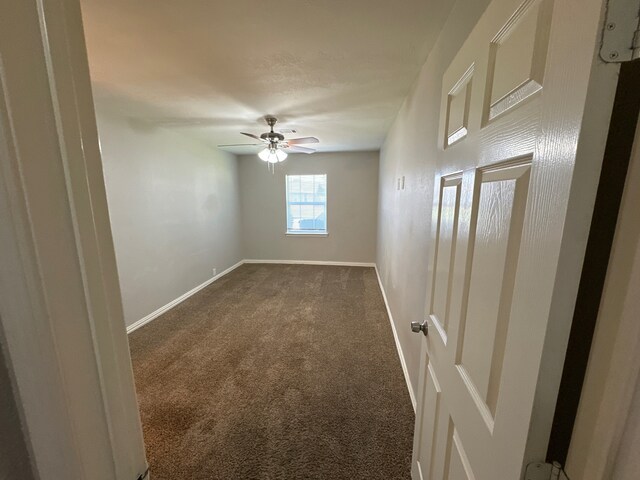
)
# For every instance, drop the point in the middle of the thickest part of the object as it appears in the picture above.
(335, 69)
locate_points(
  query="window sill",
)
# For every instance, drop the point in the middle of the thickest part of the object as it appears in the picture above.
(306, 234)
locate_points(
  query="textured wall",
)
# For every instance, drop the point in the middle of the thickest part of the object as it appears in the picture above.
(174, 207)
(404, 216)
(352, 192)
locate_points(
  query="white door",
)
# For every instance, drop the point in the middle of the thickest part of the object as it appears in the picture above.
(525, 105)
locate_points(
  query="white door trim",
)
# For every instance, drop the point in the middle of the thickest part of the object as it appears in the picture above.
(614, 360)
(62, 326)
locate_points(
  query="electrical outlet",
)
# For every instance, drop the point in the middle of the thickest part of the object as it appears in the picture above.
(215, 271)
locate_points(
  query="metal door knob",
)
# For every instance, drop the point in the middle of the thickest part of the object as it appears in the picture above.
(417, 327)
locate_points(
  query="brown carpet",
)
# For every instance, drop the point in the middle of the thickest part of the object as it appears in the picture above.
(275, 372)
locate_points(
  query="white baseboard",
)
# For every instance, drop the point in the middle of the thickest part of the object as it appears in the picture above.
(173, 303)
(170, 305)
(398, 346)
(181, 298)
(313, 262)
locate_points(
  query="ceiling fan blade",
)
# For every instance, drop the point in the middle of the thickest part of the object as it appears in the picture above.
(252, 136)
(243, 145)
(303, 140)
(300, 149)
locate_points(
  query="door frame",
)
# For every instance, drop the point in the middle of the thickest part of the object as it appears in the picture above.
(61, 320)
(617, 155)
(603, 361)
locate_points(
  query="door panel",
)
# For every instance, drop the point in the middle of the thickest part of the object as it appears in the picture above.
(500, 210)
(446, 239)
(458, 466)
(427, 443)
(517, 57)
(500, 233)
(458, 105)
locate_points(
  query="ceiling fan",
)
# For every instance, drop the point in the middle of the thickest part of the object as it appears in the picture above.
(274, 143)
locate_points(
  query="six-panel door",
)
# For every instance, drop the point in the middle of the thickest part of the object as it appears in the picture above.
(496, 240)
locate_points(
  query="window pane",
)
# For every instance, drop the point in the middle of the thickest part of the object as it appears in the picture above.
(306, 203)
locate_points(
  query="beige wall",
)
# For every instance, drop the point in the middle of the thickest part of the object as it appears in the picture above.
(352, 192)
(174, 207)
(404, 216)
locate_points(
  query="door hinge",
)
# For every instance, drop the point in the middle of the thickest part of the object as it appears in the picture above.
(621, 31)
(545, 471)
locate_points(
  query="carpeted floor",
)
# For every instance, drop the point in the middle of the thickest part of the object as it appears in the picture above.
(275, 372)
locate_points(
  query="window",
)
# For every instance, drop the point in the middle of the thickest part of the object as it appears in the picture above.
(307, 204)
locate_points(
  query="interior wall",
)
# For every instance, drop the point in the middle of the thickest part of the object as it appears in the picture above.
(352, 197)
(175, 210)
(404, 215)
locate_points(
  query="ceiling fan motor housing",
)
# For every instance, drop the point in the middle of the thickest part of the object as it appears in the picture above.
(272, 136)
(275, 141)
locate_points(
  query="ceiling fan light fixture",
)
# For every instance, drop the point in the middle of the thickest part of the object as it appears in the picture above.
(264, 154)
(272, 155)
(282, 156)
(273, 144)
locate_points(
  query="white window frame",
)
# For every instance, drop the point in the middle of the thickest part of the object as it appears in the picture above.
(306, 233)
